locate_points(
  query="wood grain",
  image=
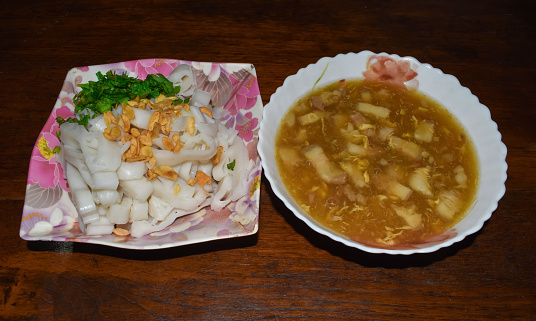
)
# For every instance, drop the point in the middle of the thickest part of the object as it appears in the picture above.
(286, 271)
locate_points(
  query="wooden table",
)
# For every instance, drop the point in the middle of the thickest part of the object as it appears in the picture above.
(286, 271)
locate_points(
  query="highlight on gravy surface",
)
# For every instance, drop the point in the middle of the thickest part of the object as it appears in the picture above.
(379, 163)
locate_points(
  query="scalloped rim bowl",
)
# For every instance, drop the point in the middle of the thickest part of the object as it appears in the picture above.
(444, 88)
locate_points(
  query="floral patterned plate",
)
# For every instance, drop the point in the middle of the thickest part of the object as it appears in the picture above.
(49, 214)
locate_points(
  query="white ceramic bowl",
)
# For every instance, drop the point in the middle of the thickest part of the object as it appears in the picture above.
(444, 88)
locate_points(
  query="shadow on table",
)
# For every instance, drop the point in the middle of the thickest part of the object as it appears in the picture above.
(361, 257)
(145, 255)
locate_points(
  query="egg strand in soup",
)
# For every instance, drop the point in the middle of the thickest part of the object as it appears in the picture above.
(379, 163)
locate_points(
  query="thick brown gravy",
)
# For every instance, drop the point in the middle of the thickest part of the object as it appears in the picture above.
(378, 163)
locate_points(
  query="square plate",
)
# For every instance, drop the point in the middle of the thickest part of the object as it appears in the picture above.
(50, 215)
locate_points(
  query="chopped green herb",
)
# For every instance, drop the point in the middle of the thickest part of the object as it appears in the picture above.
(98, 97)
(231, 165)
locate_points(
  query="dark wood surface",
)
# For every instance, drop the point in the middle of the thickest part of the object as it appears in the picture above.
(286, 271)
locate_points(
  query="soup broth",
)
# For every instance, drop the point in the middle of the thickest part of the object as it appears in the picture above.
(379, 163)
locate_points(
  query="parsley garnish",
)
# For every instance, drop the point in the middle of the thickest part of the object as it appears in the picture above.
(231, 165)
(111, 89)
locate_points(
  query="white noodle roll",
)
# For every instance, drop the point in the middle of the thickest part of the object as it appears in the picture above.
(237, 153)
(100, 153)
(184, 77)
(158, 141)
(125, 147)
(179, 124)
(222, 139)
(71, 134)
(131, 170)
(109, 155)
(165, 157)
(207, 128)
(141, 119)
(240, 155)
(139, 211)
(139, 189)
(200, 98)
(118, 110)
(107, 197)
(106, 181)
(221, 198)
(231, 133)
(82, 196)
(193, 169)
(74, 159)
(184, 170)
(188, 198)
(219, 113)
(101, 210)
(120, 213)
(97, 124)
(194, 110)
(141, 228)
(102, 226)
(72, 152)
(206, 167)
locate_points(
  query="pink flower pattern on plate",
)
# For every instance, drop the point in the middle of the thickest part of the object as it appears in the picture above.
(245, 124)
(45, 170)
(151, 66)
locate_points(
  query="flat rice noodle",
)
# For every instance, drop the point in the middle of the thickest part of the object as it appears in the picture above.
(107, 197)
(184, 77)
(142, 117)
(131, 170)
(184, 170)
(165, 157)
(188, 198)
(200, 98)
(209, 129)
(96, 228)
(239, 154)
(139, 189)
(221, 198)
(120, 213)
(106, 180)
(196, 112)
(97, 124)
(83, 198)
(179, 124)
(139, 211)
(141, 228)
(219, 113)
(80, 164)
(108, 156)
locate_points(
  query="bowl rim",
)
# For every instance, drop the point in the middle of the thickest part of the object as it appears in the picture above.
(272, 174)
